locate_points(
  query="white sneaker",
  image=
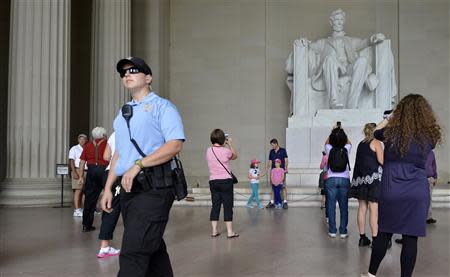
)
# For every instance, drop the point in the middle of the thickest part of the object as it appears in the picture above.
(333, 235)
(367, 275)
(77, 213)
(108, 252)
(344, 236)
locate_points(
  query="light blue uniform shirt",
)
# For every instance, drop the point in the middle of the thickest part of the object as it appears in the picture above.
(155, 121)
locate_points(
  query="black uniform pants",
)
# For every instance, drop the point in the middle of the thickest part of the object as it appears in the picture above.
(95, 180)
(145, 215)
(109, 220)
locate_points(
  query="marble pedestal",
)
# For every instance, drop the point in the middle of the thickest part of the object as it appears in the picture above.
(305, 138)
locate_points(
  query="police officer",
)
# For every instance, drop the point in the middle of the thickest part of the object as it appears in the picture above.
(157, 128)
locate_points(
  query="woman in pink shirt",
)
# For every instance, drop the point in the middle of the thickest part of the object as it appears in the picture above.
(218, 157)
(277, 179)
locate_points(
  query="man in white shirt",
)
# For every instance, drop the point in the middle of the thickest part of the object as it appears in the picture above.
(74, 163)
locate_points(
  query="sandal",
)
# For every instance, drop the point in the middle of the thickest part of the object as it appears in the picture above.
(234, 235)
(215, 235)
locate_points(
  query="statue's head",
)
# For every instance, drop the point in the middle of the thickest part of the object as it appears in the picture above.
(337, 20)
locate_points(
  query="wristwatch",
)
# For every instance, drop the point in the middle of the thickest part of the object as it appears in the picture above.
(139, 163)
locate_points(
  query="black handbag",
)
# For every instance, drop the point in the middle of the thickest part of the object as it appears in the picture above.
(179, 180)
(235, 180)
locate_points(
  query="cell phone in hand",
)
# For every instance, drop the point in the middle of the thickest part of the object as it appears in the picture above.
(227, 136)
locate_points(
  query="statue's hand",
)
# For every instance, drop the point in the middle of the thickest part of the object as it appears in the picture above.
(301, 42)
(377, 38)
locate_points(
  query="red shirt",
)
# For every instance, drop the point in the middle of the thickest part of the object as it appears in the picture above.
(88, 154)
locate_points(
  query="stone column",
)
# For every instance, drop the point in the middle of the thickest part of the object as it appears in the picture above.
(110, 42)
(38, 91)
(38, 95)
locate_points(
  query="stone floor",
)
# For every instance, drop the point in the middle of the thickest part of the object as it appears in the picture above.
(49, 242)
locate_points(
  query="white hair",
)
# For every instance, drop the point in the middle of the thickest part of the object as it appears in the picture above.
(337, 12)
(98, 133)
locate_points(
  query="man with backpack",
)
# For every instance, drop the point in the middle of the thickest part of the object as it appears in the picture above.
(337, 147)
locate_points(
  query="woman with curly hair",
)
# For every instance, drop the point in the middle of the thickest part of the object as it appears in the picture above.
(409, 134)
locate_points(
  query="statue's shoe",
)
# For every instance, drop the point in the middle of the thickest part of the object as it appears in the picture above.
(337, 106)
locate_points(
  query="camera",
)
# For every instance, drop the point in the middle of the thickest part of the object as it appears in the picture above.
(227, 136)
(386, 113)
(338, 124)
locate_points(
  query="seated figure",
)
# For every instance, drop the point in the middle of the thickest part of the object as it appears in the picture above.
(341, 66)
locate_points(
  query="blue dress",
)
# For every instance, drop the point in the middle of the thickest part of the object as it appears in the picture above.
(404, 191)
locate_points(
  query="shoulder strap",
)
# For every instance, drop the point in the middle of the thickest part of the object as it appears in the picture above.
(220, 161)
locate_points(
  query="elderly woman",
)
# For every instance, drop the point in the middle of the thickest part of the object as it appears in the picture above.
(218, 157)
(409, 134)
(96, 175)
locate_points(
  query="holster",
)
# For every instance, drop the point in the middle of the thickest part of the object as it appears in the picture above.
(154, 178)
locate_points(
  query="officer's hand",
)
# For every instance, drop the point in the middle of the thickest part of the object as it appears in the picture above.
(128, 177)
(106, 201)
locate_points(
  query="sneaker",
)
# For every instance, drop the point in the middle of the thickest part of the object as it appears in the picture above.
(431, 220)
(270, 205)
(367, 275)
(77, 213)
(249, 206)
(285, 205)
(108, 252)
(278, 206)
(344, 236)
(364, 241)
(332, 235)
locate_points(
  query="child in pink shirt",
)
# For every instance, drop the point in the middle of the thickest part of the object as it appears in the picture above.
(277, 179)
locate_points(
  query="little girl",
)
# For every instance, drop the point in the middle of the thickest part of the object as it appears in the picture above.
(277, 178)
(254, 175)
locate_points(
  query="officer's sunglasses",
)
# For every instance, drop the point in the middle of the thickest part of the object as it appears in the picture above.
(131, 70)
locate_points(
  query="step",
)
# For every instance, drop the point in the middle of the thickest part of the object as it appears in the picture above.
(297, 197)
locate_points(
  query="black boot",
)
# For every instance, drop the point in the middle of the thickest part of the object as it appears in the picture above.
(363, 240)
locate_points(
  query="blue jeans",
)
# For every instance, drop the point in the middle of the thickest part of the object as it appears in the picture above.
(277, 193)
(337, 190)
(254, 195)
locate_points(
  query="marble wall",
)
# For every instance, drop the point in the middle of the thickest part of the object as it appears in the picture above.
(227, 65)
(424, 62)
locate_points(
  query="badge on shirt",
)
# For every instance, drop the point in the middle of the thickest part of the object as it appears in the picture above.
(148, 107)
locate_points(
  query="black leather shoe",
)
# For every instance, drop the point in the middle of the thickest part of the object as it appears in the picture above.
(399, 241)
(431, 221)
(88, 229)
(285, 205)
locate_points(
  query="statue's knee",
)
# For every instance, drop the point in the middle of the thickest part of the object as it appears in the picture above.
(330, 61)
(361, 61)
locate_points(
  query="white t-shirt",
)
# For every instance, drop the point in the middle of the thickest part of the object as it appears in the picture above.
(254, 172)
(112, 145)
(75, 153)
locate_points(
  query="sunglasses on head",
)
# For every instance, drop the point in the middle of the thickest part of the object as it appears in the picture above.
(130, 70)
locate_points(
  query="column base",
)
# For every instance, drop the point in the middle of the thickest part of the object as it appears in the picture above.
(26, 192)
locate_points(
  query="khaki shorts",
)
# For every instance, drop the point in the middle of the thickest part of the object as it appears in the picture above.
(76, 185)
